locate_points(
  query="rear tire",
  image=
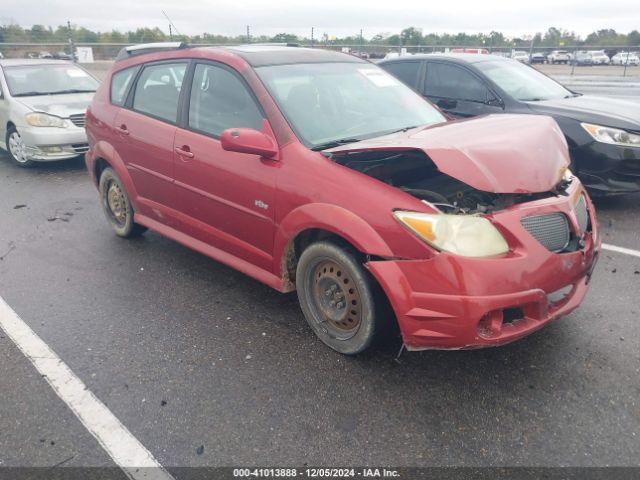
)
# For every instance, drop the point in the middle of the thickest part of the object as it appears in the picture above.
(17, 149)
(340, 300)
(117, 206)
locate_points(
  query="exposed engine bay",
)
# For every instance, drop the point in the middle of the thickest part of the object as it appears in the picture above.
(413, 172)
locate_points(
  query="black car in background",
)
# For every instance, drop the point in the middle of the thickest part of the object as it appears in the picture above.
(603, 133)
(538, 57)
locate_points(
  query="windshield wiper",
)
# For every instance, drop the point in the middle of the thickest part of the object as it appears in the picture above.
(335, 143)
(573, 95)
(30, 94)
(404, 129)
(71, 90)
(35, 93)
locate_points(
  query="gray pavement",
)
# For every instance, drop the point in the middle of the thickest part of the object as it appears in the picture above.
(208, 367)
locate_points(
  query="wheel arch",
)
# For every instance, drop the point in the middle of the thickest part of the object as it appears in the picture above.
(314, 222)
(104, 156)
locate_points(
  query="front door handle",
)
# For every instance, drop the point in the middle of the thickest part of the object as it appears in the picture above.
(184, 151)
(122, 129)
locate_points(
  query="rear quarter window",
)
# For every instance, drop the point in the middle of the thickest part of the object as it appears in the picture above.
(120, 82)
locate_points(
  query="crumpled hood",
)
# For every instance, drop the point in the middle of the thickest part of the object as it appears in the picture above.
(496, 153)
(611, 112)
(59, 105)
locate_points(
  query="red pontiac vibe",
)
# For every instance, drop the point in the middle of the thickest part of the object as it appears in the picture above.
(317, 171)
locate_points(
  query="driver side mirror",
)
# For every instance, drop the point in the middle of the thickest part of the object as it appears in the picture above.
(248, 140)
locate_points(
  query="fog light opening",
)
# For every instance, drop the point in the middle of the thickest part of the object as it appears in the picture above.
(512, 314)
(491, 324)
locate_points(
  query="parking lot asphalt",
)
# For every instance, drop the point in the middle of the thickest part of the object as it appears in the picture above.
(205, 366)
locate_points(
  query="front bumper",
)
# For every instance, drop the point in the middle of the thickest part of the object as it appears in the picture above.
(608, 169)
(49, 144)
(453, 302)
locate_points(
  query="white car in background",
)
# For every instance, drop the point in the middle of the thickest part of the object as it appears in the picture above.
(520, 56)
(599, 57)
(625, 58)
(42, 109)
(559, 56)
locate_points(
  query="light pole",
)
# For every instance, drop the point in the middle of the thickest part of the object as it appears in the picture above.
(71, 44)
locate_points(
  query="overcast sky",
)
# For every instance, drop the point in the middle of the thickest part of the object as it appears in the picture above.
(335, 17)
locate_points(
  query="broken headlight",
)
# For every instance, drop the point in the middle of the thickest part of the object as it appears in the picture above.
(613, 136)
(465, 235)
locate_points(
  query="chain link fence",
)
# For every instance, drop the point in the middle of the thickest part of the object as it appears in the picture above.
(108, 51)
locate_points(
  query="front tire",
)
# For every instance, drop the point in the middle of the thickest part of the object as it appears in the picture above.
(117, 206)
(340, 300)
(17, 149)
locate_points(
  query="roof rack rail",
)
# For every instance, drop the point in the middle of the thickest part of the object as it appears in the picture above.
(270, 44)
(143, 48)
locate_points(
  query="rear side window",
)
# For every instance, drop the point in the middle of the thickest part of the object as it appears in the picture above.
(120, 82)
(220, 100)
(451, 81)
(406, 72)
(158, 90)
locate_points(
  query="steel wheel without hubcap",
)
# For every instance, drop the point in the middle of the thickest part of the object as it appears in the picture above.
(340, 300)
(117, 203)
(336, 299)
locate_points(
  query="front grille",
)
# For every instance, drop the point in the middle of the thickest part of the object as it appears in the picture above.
(78, 119)
(582, 214)
(80, 147)
(550, 230)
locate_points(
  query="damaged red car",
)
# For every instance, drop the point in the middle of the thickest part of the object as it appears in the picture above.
(316, 171)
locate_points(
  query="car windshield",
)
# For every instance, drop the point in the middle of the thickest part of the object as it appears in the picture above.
(522, 82)
(332, 103)
(31, 80)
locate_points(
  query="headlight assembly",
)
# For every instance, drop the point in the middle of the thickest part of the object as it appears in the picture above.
(613, 136)
(568, 175)
(37, 119)
(464, 235)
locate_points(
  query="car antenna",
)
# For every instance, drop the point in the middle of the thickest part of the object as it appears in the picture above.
(171, 24)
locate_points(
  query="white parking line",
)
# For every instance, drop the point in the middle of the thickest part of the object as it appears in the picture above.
(628, 251)
(125, 450)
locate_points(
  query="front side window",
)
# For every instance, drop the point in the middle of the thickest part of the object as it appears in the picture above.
(329, 102)
(450, 81)
(219, 100)
(120, 82)
(406, 72)
(48, 79)
(158, 90)
(522, 82)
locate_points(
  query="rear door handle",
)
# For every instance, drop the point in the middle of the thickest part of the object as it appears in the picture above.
(184, 152)
(123, 130)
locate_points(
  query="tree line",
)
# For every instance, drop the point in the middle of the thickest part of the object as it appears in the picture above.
(553, 37)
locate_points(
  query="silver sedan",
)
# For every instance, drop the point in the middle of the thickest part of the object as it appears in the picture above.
(42, 109)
